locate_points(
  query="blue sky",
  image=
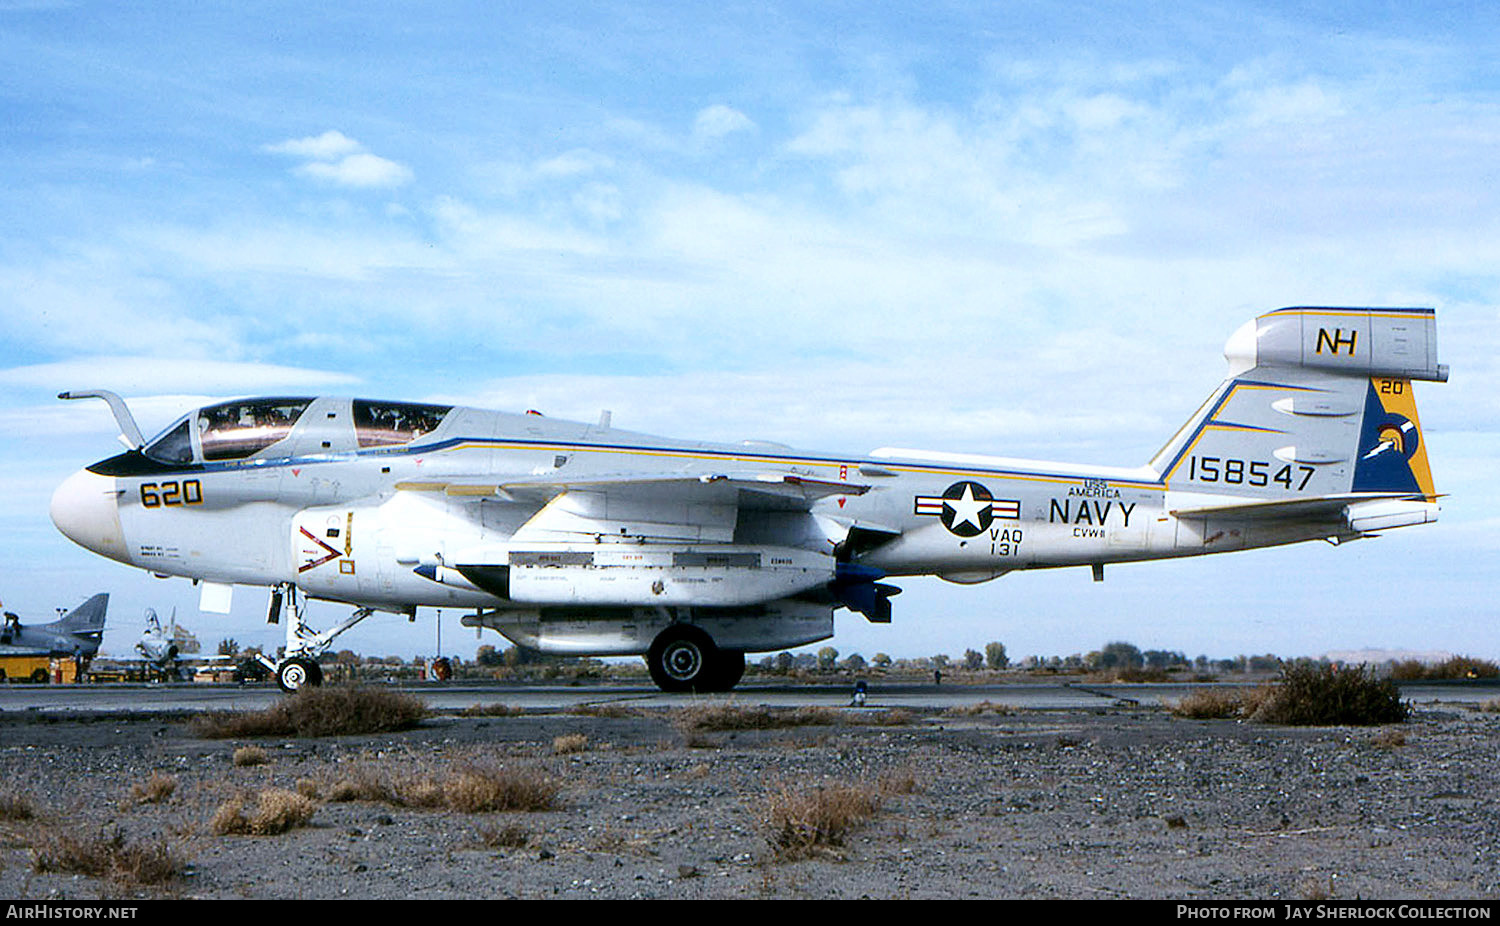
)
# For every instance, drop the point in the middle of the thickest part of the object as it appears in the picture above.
(1012, 228)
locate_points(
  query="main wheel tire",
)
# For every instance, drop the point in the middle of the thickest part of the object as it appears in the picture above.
(296, 674)
(731, 669)
(683, 658)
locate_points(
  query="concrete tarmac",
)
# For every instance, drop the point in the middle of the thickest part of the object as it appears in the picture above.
(457, 695)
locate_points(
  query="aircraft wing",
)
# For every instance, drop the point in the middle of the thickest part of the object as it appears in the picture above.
(7, 649)
(196, 661)
(715, 487)
(659, 506)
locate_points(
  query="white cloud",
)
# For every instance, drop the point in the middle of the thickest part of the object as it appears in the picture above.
(336, 158)
(326, 147)
(340, 252)
(358, 170)
(541, 177)
(1104, 112)
(101, 297)
(475, 236)
(153, 375)
(572, 164)
(718, 120)
(599, 203)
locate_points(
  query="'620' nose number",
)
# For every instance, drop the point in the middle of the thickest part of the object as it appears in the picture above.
(158, 494)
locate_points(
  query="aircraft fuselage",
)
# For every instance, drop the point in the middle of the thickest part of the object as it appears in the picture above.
(352, 525)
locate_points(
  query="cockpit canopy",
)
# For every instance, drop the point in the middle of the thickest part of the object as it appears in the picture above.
(235, 430)
(380, 424)
(243, 428)
(228, 431)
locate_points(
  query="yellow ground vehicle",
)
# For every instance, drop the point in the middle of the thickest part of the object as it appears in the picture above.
(63, 670)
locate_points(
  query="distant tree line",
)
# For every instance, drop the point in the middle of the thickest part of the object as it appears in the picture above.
(1119, 658)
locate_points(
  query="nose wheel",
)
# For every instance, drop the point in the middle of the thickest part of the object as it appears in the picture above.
(295, 674)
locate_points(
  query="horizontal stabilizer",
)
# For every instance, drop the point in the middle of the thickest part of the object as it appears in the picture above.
(1286, 509)
(1361, 512)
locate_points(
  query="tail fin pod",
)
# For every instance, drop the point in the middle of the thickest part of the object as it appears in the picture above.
(1363, 343)
(1318, 403)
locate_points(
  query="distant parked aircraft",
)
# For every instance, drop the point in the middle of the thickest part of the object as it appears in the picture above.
(77, 633)
(169, 647)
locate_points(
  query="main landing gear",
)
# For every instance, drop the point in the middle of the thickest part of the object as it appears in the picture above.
(299, 667)
(684, 658)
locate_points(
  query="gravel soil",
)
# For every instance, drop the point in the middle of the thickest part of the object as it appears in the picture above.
(1116, 803)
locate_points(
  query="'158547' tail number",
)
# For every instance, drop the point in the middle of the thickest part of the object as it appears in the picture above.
(186, 492)
(1246, 472)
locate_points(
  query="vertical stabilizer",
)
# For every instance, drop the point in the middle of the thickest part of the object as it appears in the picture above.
(1392, 453)
(86, 618)
(1318, 403)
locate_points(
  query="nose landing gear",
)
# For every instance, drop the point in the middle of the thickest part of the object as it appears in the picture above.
(298, 667)
(293, 674)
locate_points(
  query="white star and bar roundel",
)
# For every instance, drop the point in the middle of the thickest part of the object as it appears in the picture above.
(967, 508)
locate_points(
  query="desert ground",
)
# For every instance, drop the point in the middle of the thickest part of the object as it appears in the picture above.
(730, 800)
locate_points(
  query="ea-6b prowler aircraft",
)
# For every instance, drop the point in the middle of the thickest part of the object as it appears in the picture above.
(583, 539)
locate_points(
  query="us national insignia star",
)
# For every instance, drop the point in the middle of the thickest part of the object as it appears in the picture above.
(967, 509)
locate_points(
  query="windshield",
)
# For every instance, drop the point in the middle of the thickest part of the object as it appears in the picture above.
(235, 430)
(175, 446)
